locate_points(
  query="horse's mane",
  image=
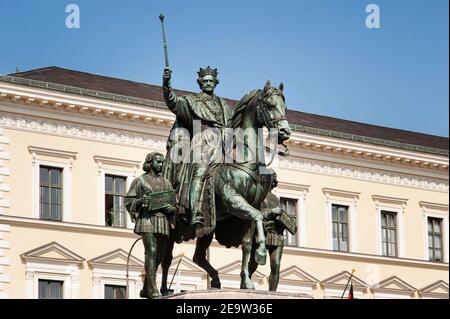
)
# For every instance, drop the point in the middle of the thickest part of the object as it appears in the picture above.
(237, 116)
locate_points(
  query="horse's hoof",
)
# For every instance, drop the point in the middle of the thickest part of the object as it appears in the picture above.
(247, 284)
(143, 294)
(215, 283)
(164, 292)
(154, 295)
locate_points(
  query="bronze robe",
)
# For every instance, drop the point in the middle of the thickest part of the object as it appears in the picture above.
(155, 222)
(211, 112)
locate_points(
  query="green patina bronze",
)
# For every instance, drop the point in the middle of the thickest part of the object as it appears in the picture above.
(276, 221)
(150, 203)
(210, 112)
(214, 196)
(222, 199)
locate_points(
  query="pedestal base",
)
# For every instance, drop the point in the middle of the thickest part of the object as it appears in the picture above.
(236, 294)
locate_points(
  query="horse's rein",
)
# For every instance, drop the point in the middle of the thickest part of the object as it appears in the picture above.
(263, 116)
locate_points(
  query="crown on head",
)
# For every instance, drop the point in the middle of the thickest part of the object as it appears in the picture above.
(207, 71)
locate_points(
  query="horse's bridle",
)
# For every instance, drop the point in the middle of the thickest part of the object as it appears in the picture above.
(264, 118)
(262, 111)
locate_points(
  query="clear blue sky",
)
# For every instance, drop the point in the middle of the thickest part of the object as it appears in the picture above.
(331, 64)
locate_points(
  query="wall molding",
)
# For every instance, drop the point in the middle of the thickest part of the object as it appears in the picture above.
(65, 267)
(117, 167)
(155, 114)
(4, 170)
(397, 206)
(305, 165)
(365, 174)
(46, 94)
(4, 261)
(41, 156)
(441, 211)
(81, 132)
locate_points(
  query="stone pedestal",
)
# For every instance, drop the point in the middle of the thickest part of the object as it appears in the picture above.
(236, 294)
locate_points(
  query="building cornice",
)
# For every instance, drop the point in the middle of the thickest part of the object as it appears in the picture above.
(87, 132)
(390, 200)
(99, 108)
(116, 161)
(357, 257)
(36, 150)
(340, 193)
(300, 251)
(329, 145)
(435, 206)
(118, 109)
(293, 186)
(420, 180)
(67, 226)
(369, 140)
(431, 179)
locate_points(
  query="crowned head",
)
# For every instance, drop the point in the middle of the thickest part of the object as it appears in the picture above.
(208, 71)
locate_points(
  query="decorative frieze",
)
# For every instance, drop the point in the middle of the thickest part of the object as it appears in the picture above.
(136, 115)
(83, 132)
(366, 174)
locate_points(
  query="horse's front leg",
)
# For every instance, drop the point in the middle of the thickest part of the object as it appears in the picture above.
(247, 243)
(165, 265)
(237, 205)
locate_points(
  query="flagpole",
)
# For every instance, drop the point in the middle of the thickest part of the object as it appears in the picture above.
(176, 269)
(350, 278)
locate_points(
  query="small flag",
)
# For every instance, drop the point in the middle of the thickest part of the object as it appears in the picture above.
(350, 293)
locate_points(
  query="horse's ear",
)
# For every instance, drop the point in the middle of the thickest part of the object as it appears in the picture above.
(281, 86)
(267, 85)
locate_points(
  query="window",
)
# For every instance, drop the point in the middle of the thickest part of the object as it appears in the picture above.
(114, 201)
(50, 193)
(340, 227)
(435, 239)
(388, 234)
(115, 292)
(290, 207)
(50, 289)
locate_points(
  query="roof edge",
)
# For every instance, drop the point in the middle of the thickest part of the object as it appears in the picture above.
(298, 128)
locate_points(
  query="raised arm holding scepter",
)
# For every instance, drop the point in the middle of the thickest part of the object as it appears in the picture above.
(208, 111)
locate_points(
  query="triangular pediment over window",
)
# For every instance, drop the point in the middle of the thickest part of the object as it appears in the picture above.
(185, 266)
(116, 259)
(340, 280)
(295, 275)
(438, 289)
(52, 253)
(394, 285)
(233, 270)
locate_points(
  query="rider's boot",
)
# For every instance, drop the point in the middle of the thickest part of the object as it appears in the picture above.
(195, 201)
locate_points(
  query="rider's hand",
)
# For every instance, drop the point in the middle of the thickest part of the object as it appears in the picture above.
(167, 75)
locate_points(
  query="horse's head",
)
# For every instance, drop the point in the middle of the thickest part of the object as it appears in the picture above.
(271, 111)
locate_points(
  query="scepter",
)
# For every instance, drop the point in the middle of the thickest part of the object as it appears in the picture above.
(166, 55)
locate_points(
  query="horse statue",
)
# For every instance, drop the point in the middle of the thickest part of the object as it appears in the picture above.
(240, 186)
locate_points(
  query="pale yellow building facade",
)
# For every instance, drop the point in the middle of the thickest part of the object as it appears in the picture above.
(86, 136)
